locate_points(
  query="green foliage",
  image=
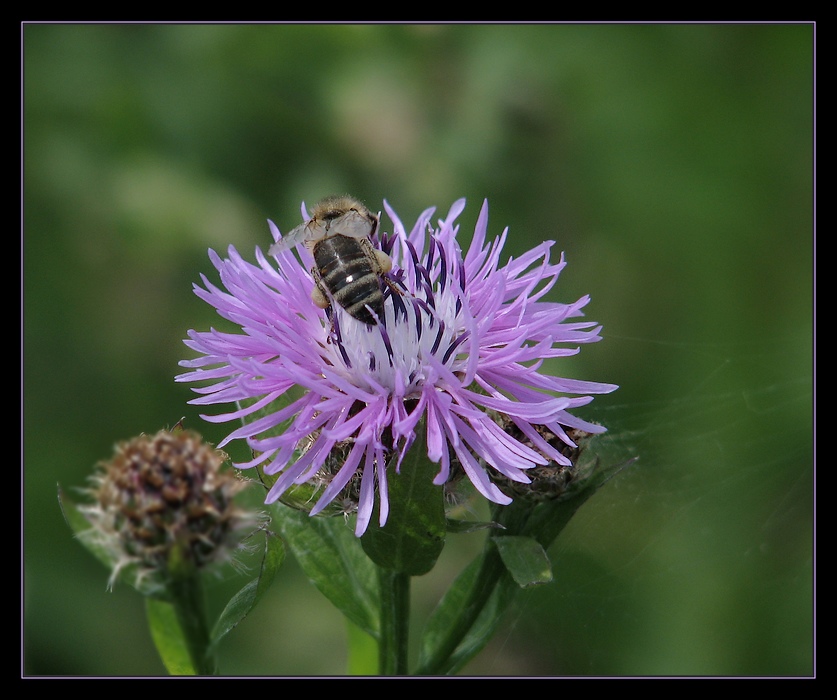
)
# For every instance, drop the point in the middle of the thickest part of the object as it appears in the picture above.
(525, 560)
(414, 535)
(248, 597)
(80, 526)
(333, 560)
(480, 602)
(169, 638)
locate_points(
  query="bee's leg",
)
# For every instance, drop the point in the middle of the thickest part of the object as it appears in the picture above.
(384, 261)
(380, 261)
(318, 294)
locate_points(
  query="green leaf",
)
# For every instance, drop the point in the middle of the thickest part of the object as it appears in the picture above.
(72, 515)
(414, 534)
(470, 611)
(455, 605)
(82, 529)
(248, 597)
(333, 560)
(169, 638)
(460, 527)
(363, 652)
(525, 560)
(484, 627)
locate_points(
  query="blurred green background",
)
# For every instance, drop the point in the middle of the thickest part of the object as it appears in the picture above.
(672, 163)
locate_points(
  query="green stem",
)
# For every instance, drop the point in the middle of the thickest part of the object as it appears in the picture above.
(395, 622)
(491, 569)
(188, 603)
(513, 518)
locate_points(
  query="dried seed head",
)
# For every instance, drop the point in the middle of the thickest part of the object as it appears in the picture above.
(164, 501)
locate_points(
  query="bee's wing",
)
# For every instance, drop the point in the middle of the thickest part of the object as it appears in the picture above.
(352, 224)
(291, 239)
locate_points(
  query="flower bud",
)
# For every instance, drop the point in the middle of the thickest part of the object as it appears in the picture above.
(163, 507)
(549, 481)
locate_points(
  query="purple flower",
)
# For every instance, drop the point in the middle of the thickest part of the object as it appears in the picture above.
(462, 341)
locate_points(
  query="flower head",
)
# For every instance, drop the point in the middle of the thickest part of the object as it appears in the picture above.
(163, 505)
(461, 341)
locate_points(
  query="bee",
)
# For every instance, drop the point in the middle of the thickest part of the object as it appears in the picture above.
(347, 267)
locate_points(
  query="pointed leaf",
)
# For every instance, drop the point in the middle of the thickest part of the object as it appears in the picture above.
(248, 597)
(451, 608)
(443, 651)
(333, 560)
(485, 626)
(524, 559)
(461, 527)
(414, 534)
(82, 529)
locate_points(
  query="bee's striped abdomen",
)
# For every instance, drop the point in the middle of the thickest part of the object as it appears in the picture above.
(349, 273)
